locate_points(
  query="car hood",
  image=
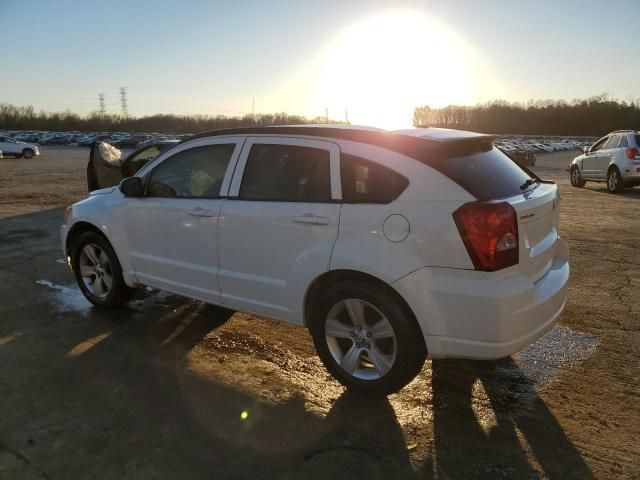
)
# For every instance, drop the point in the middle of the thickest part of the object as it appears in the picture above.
(102, 191)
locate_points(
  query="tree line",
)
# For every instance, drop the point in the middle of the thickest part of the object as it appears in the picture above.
(26, 118)
(594, 117)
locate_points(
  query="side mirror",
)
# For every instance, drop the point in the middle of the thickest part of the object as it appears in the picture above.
(132, 187)
(585, 150)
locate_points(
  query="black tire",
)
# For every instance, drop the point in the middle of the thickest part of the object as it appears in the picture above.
(410, 350)
(28, 153)
(615, 184)
(576, 178)
(118, 293)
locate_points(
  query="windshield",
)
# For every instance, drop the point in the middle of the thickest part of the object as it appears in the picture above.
(488, 175)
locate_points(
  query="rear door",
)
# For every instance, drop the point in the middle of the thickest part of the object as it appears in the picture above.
(279, 224)
(606, 155)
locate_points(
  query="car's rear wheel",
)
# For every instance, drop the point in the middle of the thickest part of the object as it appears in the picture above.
(28, 153)
(367, 339)
(615, 184)
(576, 178)
(98, 272)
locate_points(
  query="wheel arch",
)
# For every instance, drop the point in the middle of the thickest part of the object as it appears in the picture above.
(78, 229)
(326, 279)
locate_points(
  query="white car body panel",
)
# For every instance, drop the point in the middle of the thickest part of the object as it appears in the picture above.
(261, 257)
(9, 146)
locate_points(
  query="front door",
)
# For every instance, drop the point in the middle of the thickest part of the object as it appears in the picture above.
(590, 162)
(279, 224)
(173, 229)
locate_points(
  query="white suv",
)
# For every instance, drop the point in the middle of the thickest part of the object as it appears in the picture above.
(385, 245)
(10, 146)
(614, 159)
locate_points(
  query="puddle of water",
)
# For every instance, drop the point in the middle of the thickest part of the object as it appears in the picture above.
(559, 350)
(66, 298)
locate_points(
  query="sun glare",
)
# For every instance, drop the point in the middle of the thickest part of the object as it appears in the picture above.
(384, 66)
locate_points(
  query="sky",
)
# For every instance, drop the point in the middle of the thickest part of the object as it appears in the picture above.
(371, 61)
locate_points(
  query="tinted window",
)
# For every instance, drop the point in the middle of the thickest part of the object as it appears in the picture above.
(486, 176)
(613, 142)
(364, 181)
(197, 172)
(623, 142)
(286, 173)
(599, 144)
(638, 140)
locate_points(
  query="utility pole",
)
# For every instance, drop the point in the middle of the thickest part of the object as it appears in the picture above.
(103, 108)
(123, 101)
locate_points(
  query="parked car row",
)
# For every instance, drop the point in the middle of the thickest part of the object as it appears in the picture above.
(86, 139)
(541, 145)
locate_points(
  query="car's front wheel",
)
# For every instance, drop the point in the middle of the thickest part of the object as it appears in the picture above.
(576, 178)
(98, 272)
(615, 184)
(367, 339)
(28, 153)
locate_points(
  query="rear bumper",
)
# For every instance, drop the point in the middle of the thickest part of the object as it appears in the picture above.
(466, 314)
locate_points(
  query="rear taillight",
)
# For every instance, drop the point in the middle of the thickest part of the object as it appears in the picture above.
(490, 234)
(633, 153)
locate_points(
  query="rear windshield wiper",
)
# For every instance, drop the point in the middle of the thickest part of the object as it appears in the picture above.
(528, 183)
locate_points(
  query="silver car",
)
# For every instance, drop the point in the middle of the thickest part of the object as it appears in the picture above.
(614, 159)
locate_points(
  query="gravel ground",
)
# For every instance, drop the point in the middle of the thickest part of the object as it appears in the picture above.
(159, 390)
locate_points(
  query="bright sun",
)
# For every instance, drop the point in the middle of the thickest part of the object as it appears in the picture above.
(384, 66)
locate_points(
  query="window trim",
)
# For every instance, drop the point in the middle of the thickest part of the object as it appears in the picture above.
(334, 166)
(146, 172)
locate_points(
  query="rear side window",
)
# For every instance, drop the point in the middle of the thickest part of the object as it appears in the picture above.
(487, 175)
(623, 142)
(613, 142)
(638, 140)
(194, 173)
(286, 173)
(364, 181)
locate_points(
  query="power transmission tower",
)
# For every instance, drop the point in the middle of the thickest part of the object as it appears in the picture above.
(103, 107)
(346, 115)
(326, 114)
(123, 101)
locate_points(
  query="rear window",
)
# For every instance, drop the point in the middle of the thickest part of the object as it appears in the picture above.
(638, 140)
(487, 175)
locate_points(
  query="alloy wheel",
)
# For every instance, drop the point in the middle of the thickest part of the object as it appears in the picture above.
(95, 270)
(360, 339)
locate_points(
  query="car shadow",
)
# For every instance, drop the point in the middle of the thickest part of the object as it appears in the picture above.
(490, 422)
(627, 192)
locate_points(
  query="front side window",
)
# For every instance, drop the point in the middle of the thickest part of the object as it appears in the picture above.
(196, 172)
(364, 181)
(598, 145)
(286, 173)
(613, 142)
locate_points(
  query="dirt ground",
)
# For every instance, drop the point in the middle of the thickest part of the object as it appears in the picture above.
(171, 388)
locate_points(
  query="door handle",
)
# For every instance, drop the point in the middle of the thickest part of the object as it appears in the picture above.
(311, 219)
(201, 212)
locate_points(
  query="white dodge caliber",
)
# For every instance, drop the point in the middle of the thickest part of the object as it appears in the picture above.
(386, 246)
